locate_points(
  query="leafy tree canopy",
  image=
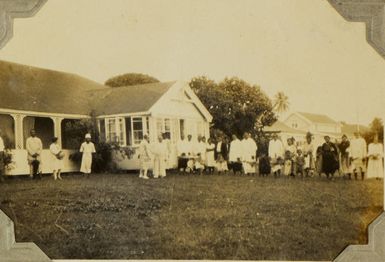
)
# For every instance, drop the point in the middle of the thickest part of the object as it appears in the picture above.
(130, 79)
(236, 106)
(376, 128)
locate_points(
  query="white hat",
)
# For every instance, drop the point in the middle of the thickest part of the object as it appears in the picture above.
(88, 135)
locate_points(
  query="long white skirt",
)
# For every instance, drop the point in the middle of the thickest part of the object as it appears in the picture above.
(375, 168)
(86, 163)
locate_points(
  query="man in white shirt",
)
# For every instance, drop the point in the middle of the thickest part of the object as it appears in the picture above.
(249, 148)
(276, 151)
(358, 153)
(2, 148)
(34, 147)
(235, 155)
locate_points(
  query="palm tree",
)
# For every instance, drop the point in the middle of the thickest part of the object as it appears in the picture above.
(281, 103)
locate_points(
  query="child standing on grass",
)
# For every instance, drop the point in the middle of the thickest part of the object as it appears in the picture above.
(87, 148)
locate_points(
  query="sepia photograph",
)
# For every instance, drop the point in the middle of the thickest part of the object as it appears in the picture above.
(190, 130)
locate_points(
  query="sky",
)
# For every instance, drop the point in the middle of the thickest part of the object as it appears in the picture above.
(301, 47)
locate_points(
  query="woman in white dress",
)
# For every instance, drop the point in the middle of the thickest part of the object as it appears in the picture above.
(375, 155)
(57, 158)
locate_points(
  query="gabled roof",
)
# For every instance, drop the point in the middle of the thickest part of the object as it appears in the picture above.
(317, 118)
(33, 89)
(279, 126)
(127, 99)
(40, 90)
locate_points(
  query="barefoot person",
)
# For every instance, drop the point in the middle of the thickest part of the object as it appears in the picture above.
(57, 158)
(87, 148)
(375, 155)
(34, 147)
(144, 157)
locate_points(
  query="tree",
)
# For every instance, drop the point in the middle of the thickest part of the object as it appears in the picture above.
(236, 106)
(376, 128)
(130, 79)
(281, 103)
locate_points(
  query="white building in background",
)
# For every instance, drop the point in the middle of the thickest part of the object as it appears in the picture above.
(297, 124)
(47, 100)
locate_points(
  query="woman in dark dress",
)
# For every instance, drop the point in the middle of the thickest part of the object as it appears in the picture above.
(263, 157)
(329, 158)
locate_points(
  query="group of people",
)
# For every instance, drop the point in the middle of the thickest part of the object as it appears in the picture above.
(244, 156)
(34, 147)
(346, 157)
(248, 157)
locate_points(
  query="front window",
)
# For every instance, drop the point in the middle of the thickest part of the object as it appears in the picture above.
(111, 130)
(137, 128)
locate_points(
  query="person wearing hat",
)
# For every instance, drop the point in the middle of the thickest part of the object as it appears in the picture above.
(57, 158)
(87, 148)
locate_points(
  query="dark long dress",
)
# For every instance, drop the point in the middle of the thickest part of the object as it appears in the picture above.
(345, 161)
(264, 161)
(329, 158)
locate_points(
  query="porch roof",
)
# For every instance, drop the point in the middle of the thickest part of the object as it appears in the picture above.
(34, 89)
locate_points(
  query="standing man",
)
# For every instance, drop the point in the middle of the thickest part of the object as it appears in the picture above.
(276, 152)
(2, 148)
(160, 152)
(235, 155)
(358, 153)
(34, 147)
(87, 148)
(145, 157)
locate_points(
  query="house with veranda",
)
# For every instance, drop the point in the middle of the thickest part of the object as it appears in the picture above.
(47, 100)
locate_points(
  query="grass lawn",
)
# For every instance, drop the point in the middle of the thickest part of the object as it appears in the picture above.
(185, 217)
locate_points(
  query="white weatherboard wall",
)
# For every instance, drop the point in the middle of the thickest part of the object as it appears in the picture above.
(20, 164)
